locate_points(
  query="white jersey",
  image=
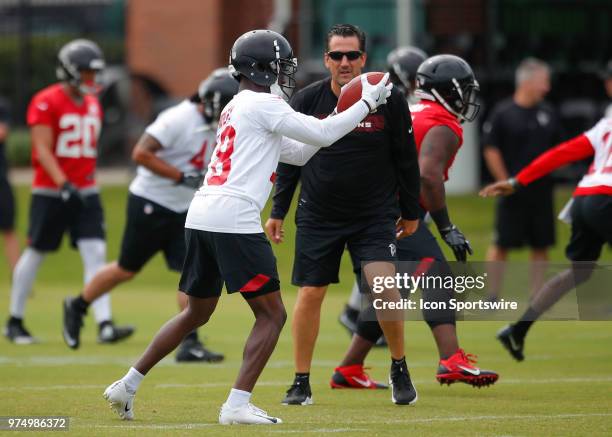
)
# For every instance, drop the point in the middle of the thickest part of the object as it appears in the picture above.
(253, 136)
(598, 179)
(187, 145)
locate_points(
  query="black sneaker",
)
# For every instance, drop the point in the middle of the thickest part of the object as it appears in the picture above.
(73, 322)
(299, 393)
(403, 391)
(193, 351)
(16, 332)
(348, 319)
(511, 342)
(108, 332)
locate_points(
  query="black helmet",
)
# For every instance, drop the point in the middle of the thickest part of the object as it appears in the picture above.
(402, 64)
(216, 91)
(450, 81)
(265, 58)
(76, 56)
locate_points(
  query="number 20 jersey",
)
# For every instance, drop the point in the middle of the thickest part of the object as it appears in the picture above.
(75, 128)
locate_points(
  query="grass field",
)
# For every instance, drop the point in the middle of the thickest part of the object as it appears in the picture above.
(563, 388)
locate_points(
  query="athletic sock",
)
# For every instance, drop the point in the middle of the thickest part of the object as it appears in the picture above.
(15, 320)
(23, 278)
(520, 328)
(303, 378)
(354, 302)
(192, 336)
(400, 362)
(80, 304)
(238, 398)
(132, 380)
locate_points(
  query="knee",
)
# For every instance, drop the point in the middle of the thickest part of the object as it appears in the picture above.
(123, 274)
(311, 296)
(195, 319)
(275, 316)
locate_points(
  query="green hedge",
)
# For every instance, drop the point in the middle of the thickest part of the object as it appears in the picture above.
(18, 148)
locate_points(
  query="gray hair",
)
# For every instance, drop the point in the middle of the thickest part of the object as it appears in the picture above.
(527, 67)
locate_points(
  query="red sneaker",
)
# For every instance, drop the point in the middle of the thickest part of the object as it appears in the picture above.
(353, 377)
(459, 367)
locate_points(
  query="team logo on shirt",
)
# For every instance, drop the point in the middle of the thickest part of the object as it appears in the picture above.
(148, 209)
(543, 118)
(392, 249)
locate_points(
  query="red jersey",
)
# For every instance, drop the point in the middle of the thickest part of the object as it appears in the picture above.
(427, 114)
(76, 128)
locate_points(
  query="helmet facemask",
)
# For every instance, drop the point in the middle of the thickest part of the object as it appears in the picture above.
(285, 83)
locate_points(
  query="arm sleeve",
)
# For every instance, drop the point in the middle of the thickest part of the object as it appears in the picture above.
(405, 159)
(573, 150)
(296, 153)
(277, 116)
(165, 129)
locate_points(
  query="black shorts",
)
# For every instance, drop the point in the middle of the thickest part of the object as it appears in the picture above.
(151, 228)
(319, 247)
(421, 245)
(7, 206)
(50, 218)
(244, 262)
(525, 220)
(591, 227)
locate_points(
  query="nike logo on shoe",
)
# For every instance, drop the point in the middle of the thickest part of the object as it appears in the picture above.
(127, 410)
(474, 372)
(362, 382)
(198, 353)
(513, 344)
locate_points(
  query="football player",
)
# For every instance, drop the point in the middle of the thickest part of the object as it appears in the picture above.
(225, 239)
(447, 89)
(591, 220)
(172, 154)
(65, 120)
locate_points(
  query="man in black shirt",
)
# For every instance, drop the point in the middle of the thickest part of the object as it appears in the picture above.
(518, 130)
(7, 200)
(349, 198)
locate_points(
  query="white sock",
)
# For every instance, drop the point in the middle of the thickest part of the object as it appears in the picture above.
(355, 299)
(93, 254)
(238, 398)
(132, 380)
(23, 278)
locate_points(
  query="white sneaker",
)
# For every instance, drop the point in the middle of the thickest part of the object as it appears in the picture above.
(248, 414)
(120, 399)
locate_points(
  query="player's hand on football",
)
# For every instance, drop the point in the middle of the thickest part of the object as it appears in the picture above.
(71, 196)
(404, 228)
(377, 94)
(457, 241)
(501, 188)
(192, 179)
(275, 231)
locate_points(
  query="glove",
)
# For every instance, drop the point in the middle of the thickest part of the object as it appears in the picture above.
(456, 241)
(191, 179)
(375, 95)
(71, 196)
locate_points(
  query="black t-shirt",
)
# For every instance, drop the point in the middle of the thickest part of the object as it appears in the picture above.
(522, 134)
(4, 118)
(360, 175)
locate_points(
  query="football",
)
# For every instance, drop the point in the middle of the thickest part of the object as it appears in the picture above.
(351, 92)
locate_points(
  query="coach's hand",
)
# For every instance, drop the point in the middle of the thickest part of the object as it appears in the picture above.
(274, 229)
(501, 188)
(71, 196)
(456, 241)
(191, 179)
(404, 228)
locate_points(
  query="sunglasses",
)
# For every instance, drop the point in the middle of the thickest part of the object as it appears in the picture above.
(351, 56)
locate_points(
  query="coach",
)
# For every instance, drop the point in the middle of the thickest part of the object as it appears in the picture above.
(517, 131)
(349, 198)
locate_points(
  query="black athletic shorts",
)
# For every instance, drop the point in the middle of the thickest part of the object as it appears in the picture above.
(244, 262)
(319, 246)
(50, 218)
(7, 205)
(421, 245)
(591, 227)
(525, 219)
(151, 228)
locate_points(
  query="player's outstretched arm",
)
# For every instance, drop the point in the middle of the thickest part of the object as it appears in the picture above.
(322, 133)
(576, 149)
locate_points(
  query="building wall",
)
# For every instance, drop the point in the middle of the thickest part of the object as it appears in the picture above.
(177, 43)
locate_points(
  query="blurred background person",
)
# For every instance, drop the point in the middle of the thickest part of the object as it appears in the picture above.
(7, 200)
(519, 129)
(402, 65)
(607, 80)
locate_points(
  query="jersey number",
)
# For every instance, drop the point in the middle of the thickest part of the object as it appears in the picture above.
(78, 137)
(221, 163)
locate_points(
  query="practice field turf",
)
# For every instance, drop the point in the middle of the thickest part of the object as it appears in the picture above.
(563, 388)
